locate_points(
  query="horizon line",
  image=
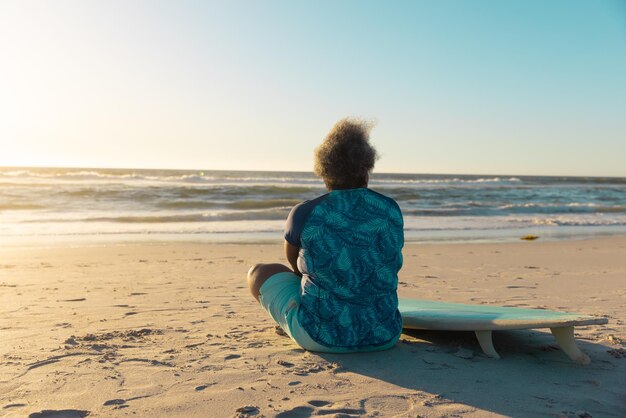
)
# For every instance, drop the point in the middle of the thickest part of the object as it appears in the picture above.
(292, 171)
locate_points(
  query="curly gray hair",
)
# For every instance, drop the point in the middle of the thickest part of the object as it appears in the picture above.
(345, 158)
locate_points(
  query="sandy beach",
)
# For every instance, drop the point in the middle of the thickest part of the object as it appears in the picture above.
(169, 329)
(152, 152)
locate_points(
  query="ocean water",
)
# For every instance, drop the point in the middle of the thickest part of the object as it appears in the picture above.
(56, 204)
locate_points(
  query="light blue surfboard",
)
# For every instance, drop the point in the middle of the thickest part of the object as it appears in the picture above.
(484, 319)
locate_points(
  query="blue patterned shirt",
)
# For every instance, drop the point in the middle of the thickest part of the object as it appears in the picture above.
(350, 253)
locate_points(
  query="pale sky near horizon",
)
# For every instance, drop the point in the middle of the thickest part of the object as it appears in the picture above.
(464, 87)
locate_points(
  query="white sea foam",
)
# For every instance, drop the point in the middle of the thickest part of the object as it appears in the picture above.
(95, 201)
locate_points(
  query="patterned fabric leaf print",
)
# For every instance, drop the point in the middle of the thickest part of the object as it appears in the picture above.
(375, 203)
(352, 248)
(375, 225)
(344, 317)
(382, 272)
(336, 220)
(343, 261)
(314, 231)
(358, 237)
(395, 216)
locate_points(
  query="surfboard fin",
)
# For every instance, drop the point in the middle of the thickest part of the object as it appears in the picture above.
(565, 337)
(486, 343)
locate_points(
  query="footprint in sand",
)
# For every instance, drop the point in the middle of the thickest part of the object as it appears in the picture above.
(390, 404)
(307, 411)
(114, 402)
(14, 405)
(318, 403)
(284, 363)
(299, 411)
(64, 413)
(202, 387)
(247, 411)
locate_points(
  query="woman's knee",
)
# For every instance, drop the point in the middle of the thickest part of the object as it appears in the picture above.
(253, 277)
(259, 273)
(253, 271)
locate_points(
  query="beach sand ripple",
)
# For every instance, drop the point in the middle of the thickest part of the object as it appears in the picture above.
(170, 330)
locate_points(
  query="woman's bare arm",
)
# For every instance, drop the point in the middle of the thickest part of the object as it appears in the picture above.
(291, 251)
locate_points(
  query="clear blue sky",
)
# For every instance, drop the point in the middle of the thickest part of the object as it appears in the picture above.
(478, 87)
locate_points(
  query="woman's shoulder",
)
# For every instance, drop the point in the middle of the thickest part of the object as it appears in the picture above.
(300, 212)
(308, 205)
(383, 198)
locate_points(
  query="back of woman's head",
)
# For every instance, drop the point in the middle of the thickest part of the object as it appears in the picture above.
(345, 158)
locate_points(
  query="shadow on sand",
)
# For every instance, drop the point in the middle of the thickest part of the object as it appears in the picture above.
(533, 378)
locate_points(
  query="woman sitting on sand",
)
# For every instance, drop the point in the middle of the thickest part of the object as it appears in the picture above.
(345, 250)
